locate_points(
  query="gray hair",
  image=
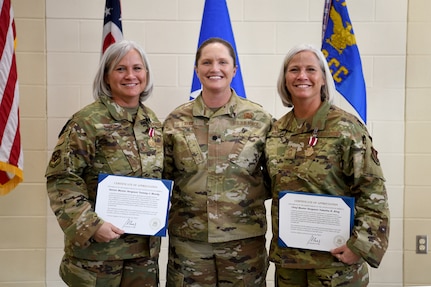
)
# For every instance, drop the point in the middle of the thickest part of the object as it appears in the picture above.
(328, 90)
(112, 56)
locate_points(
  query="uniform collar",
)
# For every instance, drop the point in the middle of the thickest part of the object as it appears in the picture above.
(201, 110)
(318, 121)
(119, 113)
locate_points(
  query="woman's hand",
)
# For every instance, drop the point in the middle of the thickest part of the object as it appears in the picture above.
(345, 255)
(107, 232)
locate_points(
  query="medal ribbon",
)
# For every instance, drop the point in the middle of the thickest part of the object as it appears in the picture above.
(151, 132)
(312, 141)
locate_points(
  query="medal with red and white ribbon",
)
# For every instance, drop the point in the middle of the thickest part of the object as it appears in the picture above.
(312, 141)
(151, 132)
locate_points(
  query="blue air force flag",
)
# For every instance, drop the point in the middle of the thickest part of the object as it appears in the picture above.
(216, 23)
(342, 54)
(112, 27)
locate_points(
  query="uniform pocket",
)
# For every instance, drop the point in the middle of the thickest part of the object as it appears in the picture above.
(117, 148)
(174, 278)
(73, 275)
(187, 151)
(246, 151)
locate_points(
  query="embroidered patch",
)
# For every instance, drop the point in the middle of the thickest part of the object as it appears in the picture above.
(290, 153)
(374, 156)
(248, 115)
(55, 159)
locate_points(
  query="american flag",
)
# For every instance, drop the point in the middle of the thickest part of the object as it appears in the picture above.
(11, 156)
(112, 27)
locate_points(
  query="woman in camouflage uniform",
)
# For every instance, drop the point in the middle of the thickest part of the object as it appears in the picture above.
(319, 148)
(214, 153)
(118, 135)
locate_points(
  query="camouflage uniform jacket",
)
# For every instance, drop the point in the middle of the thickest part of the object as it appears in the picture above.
(101, 138)
(343, 163)
(216, 160)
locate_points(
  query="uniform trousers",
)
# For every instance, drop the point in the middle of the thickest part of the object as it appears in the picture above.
(238, 263)
(142, 272)
(355, 275)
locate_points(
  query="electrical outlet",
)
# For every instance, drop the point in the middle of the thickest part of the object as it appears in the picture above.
(421, 244)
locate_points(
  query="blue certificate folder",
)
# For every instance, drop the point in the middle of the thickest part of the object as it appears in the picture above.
(136, 205)
(314, 221)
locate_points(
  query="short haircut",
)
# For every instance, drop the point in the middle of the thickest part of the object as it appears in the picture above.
(112, 56)
(328, 90)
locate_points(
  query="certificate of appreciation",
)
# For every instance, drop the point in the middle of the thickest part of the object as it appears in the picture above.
(314, 221)
(136, 205)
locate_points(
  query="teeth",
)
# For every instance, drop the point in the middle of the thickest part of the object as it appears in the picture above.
(215, 77)
(302, 86)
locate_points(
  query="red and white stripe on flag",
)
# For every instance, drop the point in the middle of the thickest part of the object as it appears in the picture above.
(11, 156)
(112, 26)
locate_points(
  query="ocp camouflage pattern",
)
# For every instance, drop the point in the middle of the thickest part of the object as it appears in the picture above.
(343, 163)
(216, 159)
(101, 138)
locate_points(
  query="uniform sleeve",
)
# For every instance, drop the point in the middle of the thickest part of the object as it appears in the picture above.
(66, 188)
(168, 160)
(371, 228)
(266, 176)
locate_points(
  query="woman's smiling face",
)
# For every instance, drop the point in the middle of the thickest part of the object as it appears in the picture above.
(304, 77)
(215, 67)
(128, 79)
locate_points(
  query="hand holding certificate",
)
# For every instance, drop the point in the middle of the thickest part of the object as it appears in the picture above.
(136, 205)
(314, 221)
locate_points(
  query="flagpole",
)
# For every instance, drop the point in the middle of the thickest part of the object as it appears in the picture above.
(326, 8)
